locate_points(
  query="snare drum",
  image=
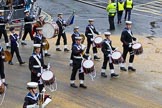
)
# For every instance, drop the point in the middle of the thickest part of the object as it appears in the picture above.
(117, 57)
(98, 41)
(137, 48)
(88, 66)
(48, 77)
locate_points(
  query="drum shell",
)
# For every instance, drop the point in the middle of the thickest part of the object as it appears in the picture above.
(138, 51)
(98, 45)
(2, 89)
(88, 70)
(49, 82)
(118, 60)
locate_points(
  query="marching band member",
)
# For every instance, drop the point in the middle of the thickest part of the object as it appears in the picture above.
(127, 39)
(77, 51)
(89, 33)
(38, 39)
(33, 99)
(75, 34)
(3, 30)
(2, 74)
(39, 23)
(36, 63)
(15, 46)
(61, 24)
(107, 50)
(27, 27)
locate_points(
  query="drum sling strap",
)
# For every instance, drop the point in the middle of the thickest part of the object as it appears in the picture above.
(110, 60)
(93, 36)
(38, 61)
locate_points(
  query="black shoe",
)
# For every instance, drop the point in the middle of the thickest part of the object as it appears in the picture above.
(114, 75)
(66, 50)
(131, 69)
(58, 49)
(10, 63)
(23, 43)
(22, 63)
(8, 47)
(103, 75)
(73, 85)
(96, 58)
(47, 55)
(5, 84)
(123, 69)
(83, 86)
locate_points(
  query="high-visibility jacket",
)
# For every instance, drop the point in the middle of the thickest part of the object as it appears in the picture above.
(111, 9)
(129, 4)
(120, 6)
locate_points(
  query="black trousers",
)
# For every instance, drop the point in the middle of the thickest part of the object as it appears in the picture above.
(127, 13)
(106, 60)
(16, 50)
(111, 22)
(76, 67)
(41, 86)
(2, 70)
(63, 35)
(89, 43)
(126, 49)
(119, 14)
(4, 34)
(26, 31)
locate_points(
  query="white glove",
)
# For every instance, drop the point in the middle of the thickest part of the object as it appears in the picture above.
(3, 57)
(83, 47)
(44, 43)
(99, 33)
(47, 101)
(38, 74)
(43, 90)
(109, 55)
(92, 39)
(130, 45)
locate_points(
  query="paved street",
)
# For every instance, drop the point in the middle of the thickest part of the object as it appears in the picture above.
(131, 90)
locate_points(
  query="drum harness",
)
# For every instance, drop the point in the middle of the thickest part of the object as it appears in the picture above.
(110, 49)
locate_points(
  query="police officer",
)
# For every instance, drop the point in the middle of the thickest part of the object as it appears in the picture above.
(107, 50)
(127, 40)
(120, 9)
(2, 74)
(77, 51)
(15, 46)
(111, 9)
(3, 30)
(75, 34)
(61, 24)
(89, 33)
(36, 63)
(27, 27)
(128, 5)
(39, 39)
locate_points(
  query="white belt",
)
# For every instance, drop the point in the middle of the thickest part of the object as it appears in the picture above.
(78, 57)
(90, 34)
(36, 66)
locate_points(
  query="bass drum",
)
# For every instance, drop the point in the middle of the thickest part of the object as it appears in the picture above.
(50, 30)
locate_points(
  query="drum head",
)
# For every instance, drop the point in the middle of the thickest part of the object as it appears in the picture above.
(98, 40)
(136, 46)
(48, 30)
(116, 55)
(88, 64)
(47, 75)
